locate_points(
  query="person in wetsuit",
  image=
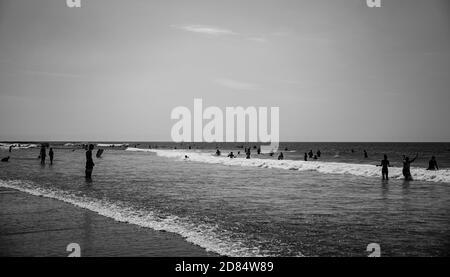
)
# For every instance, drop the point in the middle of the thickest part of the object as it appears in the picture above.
(310, 154)
(231, 155)
(305, 157)
(319, 153)
(89, 162)
(384, 170)
(365, 154)
(432, 164)
(217, 152)
(407, 166)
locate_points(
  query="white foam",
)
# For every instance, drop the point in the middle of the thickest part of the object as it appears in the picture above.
(112, 145)
(363, 170)
(17, 145)
(205, 236)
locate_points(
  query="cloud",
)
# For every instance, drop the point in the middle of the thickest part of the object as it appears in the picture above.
(236, 85)
(208, 30)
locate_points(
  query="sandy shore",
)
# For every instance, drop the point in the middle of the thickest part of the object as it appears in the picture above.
(38, 226)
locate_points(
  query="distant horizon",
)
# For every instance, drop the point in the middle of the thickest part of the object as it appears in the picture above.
(163, 141)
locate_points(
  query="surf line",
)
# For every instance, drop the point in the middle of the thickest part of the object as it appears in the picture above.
(213, 131)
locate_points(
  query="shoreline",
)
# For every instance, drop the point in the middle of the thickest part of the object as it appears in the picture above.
(39, 226)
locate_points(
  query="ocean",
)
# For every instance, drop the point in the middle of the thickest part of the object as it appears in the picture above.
(333, 206)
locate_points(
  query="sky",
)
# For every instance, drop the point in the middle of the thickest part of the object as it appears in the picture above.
(114, 70)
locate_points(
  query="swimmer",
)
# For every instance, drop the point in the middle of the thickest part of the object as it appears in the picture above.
(42, 154)
(217, 152)
(231, 155)
(407, 166)
(51, 154)
(384, 170)
(89, 163)
(432, 164)
(5, 160)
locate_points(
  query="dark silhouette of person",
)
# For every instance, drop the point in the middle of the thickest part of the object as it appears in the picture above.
(353, 151)
(271, 153)
(310, 154)
(407, 167)
(89, 162)
(42, 154)
(231, 155)
(306, 157)
(315, 157)
(319, 153)
(258, 150)
(365, 154)
(247, 156)
(384, 170)
(99, 153)
(186, 157)
(51, 155)
(10, 148)
(5, 160)
(217, 152)
(432, 164)
(281, 156)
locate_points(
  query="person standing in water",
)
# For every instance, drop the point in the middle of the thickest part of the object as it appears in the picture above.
(89, 162)
(384, 170)
(407, 167)
(365, 154)
(42, 154)
(306, 157)
(51, 154)
(319, 153)
(10, 148)
(432, 164)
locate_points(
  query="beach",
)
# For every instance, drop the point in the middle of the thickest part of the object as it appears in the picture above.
(42, 227)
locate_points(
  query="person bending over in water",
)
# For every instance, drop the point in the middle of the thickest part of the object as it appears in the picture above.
(217, 152)
(407, 166)
(89, 162)
(384, 170)
(281, 156)
(432, 164)
(231, 155)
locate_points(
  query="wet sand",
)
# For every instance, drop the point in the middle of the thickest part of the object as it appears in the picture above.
(38, 226)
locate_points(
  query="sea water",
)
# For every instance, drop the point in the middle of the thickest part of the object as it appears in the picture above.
(333, 206)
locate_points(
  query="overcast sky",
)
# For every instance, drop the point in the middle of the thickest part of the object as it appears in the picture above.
(114, 70)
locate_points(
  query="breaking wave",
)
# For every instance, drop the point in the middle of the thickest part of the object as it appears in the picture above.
(363, 170)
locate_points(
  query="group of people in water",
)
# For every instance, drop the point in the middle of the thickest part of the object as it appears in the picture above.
(248, 153)
(432, 164)
(51, 154)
